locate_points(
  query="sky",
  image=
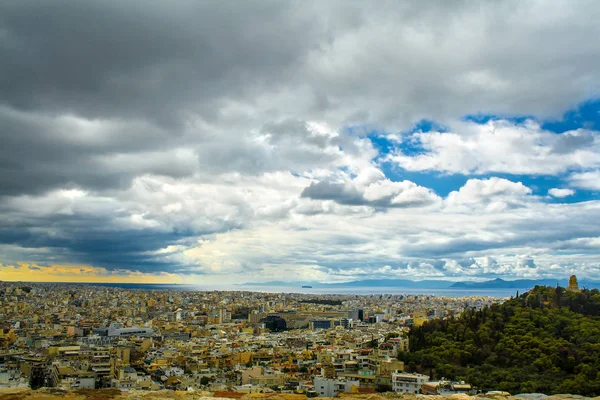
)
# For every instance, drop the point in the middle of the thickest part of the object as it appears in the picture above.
(215, 142)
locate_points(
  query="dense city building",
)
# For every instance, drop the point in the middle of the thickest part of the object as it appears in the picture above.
(86, 336)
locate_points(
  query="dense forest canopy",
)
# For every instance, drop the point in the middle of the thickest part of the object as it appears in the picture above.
(546, 340)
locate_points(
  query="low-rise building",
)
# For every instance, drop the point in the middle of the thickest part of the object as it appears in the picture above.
(67, 377)
(408, 383)
(331, 387)
(445, 388)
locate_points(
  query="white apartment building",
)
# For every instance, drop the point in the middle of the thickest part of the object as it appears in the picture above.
(408, 383)
(331, 387)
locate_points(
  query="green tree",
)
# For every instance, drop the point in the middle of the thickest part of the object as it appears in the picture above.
(546, 340)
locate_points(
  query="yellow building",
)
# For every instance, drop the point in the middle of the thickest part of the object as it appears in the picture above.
(268, 380)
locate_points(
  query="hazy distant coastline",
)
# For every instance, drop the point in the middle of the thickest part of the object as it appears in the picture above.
(494, 288)
(436, 284)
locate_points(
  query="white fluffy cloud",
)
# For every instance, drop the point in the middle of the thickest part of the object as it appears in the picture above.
(586, 180)
(536, 239)
(560, 193)
(371, 188)
(501, 146)
(493, 194)
(235, 226)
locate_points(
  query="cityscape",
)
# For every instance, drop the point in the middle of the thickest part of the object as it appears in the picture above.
(71, 337)
(298, 199)
(65, 338)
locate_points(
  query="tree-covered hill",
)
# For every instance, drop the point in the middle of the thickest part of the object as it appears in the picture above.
(546, 340)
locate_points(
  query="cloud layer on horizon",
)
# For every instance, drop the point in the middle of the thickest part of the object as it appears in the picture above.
(285, 140)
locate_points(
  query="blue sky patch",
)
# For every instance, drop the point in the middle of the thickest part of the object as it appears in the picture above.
(586, 115)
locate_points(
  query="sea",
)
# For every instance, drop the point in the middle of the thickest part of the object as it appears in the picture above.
(337, 289)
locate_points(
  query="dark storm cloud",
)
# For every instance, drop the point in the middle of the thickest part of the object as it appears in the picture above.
(163, 61)
(39, 152)
(292, 129)
(98, 232)
(134, 58)
(154, 70)
(95, 241)
(339, 192)
(86, 86)
(395, 194)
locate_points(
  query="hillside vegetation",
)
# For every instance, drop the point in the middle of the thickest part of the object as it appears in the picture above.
(546, 340)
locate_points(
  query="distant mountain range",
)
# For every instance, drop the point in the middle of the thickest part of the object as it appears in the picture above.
(436, 284)
(519, 284)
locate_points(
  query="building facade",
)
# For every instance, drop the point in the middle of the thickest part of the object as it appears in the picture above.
(408, 383)
(331, 387)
